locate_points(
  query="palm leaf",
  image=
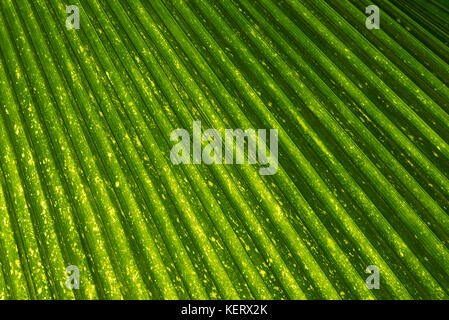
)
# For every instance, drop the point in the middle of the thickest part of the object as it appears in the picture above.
(86, 178)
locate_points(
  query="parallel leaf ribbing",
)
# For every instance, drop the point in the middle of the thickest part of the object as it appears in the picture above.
(86, 177)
